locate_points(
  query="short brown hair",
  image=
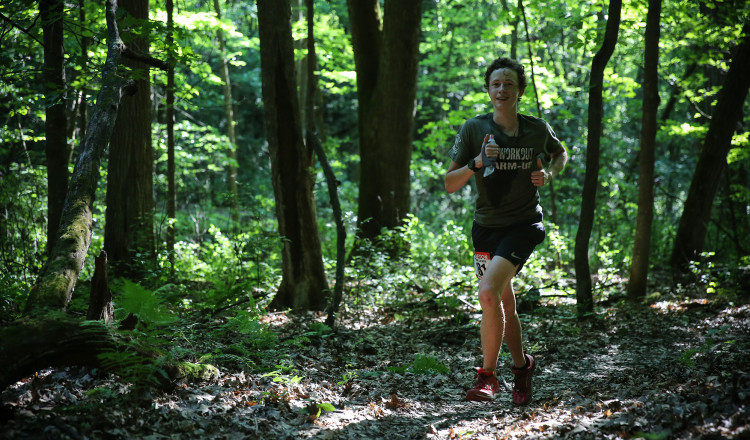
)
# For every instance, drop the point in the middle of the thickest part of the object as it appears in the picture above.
(503, 63)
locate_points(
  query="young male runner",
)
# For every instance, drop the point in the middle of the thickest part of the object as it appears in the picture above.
(508, 217)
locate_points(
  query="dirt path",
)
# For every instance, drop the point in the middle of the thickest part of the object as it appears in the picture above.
(674, 370)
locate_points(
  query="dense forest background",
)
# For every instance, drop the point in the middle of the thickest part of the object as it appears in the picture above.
(242, 250)
(212, 204)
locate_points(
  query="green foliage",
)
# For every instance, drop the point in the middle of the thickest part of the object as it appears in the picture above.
(280, 377)
(422, 364)
(22, 227)
(140, 371)
(222, 265)
(253, 332)
(146, 305)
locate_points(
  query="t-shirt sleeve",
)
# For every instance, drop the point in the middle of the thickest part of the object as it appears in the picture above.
(459, 152)
(551, 144)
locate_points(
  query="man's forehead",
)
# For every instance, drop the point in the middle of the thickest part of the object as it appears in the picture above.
(504, 73)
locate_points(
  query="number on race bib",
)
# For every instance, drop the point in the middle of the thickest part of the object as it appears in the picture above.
(481, 262)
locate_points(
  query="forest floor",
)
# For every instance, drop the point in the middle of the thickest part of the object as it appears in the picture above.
(676, 368)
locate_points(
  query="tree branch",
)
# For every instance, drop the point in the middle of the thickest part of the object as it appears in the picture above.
(146, 59)
(17, 26)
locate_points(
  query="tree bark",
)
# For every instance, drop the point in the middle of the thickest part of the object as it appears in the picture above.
(584, 294)
(100, 298)
(129, 228)
(696, 214)
(386, 62)
(303, 284)
(55, 286)
(312, 139)
(649, 125)
(229, 117)
(83, 106)
(171, 189)
(56, 123)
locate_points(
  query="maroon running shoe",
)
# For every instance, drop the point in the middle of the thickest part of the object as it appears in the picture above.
(522, 382)
(486, 388)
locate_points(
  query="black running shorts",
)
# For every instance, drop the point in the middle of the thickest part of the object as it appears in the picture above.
(514, 243)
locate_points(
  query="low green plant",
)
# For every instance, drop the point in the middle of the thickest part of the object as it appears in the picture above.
(286, 379)
(348, 376)
(422, 364)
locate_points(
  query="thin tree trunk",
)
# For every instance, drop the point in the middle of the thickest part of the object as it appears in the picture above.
(229, 116)
(83, 106)
(55, 286)
(56, 123)
(584, 294)
(639, 267)
(312, 139)
(171, 190)
(672, 146)
(514, 28)
(691, 233)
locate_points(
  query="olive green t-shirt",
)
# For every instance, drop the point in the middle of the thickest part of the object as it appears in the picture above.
(507, 196)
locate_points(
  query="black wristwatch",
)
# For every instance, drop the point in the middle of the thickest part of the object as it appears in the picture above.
(472, 166)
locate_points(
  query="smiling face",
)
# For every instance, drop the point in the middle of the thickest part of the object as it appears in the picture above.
(504, 90)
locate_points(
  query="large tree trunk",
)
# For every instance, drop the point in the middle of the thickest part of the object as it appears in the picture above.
(129, 228)
(55, 286)
(584, 295)
(696, 214)
(386, 62)
(56, 124)
(303, 284)
(639, 267)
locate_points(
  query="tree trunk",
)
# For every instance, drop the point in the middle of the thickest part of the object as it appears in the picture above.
(56, 124)
(171, 190)
(129, 226)
(312, 139)
(584, 294)
(649, 125)
(100, 298)
(386, 63)
(55, 286)
(696, 214)
(83, 106)
(229, 117)
(303, 284)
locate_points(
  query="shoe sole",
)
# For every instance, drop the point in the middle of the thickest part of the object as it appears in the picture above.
(479, 398)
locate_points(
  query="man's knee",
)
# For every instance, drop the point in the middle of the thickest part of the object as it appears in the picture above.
(489, 298)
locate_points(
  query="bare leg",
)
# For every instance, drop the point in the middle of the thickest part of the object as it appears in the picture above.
(496, 280)
(512, 327)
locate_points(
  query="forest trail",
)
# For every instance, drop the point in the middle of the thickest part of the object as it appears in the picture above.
(675, 370)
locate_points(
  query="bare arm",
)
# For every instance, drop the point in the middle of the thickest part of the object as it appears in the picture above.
(556, 165)
(457, 175)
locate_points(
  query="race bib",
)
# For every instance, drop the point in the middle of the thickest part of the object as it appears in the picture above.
(481, 263)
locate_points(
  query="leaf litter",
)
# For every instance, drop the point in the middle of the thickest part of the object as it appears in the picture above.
(678, 369)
